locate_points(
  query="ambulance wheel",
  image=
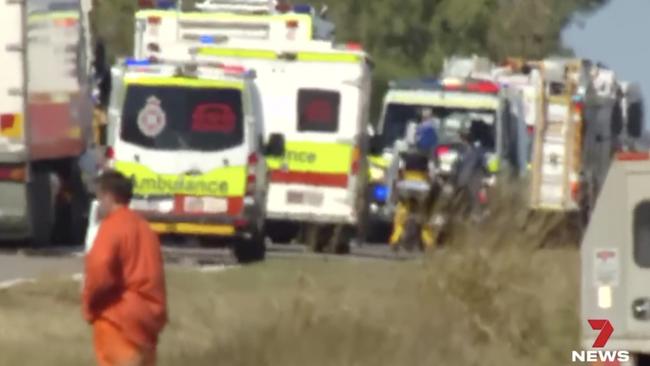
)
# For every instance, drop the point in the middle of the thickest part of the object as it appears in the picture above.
(250, 250)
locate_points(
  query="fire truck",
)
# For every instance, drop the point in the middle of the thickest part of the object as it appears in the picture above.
(576, 136)
(45, 110)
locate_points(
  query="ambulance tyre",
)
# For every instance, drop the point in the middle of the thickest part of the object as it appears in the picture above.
(252, 249)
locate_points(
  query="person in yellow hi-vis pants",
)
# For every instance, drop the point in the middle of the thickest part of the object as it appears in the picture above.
(412, 215)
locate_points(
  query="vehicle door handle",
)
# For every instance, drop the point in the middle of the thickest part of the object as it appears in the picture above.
(641, 309)
(193, 172)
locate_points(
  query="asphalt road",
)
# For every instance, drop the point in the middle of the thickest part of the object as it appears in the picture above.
(19, 264)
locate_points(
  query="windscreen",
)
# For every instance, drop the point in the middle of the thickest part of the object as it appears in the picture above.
(318, 110)
(452, 122)
(182, 118)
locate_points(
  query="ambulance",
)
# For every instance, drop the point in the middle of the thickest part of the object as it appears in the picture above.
(45, 115)
(456, 103)
(158, 29)
(191, 137)
(317, 95)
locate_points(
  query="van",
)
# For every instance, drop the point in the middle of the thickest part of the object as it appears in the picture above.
(191, 137)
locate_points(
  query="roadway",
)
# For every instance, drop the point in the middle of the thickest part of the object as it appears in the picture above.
(22, 264)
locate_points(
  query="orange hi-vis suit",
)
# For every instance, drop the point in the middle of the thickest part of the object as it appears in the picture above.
(124, 294)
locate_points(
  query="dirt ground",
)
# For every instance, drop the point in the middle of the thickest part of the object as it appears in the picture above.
(477, 305)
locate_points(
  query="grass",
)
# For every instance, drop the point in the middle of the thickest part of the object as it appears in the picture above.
(479, 304)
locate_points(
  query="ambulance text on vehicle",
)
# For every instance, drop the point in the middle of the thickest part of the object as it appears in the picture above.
(191, 138)
(318, 96)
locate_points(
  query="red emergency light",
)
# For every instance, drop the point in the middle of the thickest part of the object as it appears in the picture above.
(354, 46)
(473, 86)
(633, 156)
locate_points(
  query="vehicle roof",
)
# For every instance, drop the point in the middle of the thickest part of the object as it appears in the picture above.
(443, 98)
(323, 51)
(215, 15)
(168, 74)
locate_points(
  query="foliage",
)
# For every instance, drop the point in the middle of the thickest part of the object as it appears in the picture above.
(412, 37)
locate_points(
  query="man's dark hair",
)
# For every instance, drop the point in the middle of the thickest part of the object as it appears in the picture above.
(116, 184)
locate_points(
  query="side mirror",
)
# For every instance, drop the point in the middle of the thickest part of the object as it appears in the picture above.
(275, 146)
(376, 145)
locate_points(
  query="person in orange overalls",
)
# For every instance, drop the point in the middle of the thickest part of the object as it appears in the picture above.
(124, 296)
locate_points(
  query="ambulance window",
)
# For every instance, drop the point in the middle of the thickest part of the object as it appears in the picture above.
(642, 234)
(318, 110)
(182, 118)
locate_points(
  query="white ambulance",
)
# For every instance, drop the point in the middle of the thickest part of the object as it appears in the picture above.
(158, 29)
(318, 96)
(191, 137)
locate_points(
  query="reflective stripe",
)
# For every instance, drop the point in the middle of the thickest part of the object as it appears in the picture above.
(220, 182)
(493, 164)
(337, 57)
(238, 53)
(16, 129)
(189, 228)
(313, 163)
(320, 157)
(55, 15)
(184, 82)
(378, 161)
(329, 57)
(310, 178)
(444, 99)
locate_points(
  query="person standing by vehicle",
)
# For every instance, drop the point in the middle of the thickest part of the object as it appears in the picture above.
(124, 296)
(472, 168)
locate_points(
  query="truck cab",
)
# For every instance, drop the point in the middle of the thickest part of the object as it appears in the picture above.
(615, 257)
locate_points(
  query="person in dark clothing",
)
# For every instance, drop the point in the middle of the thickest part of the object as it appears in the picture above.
(472, 168)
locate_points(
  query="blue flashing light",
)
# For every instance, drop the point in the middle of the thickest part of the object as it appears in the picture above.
(302, 9)
(136, 62)
(380, 193)
(166, 4)
(207, 40)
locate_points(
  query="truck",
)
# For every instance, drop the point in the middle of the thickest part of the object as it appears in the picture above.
(45, 115)
(615, 258)
(576, 136)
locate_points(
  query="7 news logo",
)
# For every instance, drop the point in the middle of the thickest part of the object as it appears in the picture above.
(598, 354)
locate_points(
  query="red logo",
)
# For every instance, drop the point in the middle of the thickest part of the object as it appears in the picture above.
(319, 111)
(213, 117)
(606, 329)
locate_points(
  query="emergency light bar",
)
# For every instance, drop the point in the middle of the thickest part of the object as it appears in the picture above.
(240, 6)
(460, 85)
(157, 4)
(188, 68)
(213, 39)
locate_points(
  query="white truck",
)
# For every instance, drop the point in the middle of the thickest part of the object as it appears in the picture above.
(45, 115)
(615, 255)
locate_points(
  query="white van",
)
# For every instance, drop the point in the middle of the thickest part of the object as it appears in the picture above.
(191, 137)
(317, 95)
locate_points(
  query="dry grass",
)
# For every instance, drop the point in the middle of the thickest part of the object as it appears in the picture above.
(464, 306)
